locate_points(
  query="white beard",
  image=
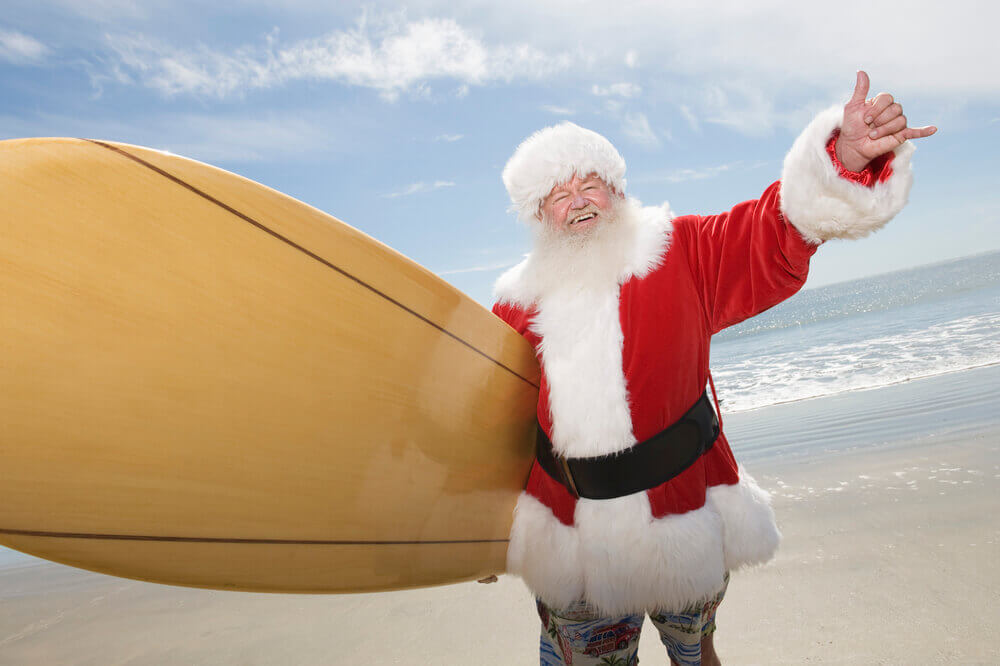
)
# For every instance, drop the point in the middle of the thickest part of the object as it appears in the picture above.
(579, 282)
(594, 258)
(629, 242)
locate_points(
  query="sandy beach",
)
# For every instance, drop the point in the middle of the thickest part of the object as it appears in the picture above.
(891, 538)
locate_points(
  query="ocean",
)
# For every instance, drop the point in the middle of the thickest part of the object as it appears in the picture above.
(864, 334)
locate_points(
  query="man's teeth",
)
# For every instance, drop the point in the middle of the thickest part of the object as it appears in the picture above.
(583, 217)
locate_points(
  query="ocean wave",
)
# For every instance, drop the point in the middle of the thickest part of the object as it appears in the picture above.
(796, 370)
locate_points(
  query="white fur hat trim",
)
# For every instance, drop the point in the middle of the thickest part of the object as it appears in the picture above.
(551, 157)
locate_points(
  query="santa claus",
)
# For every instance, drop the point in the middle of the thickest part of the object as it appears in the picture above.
(635, 503)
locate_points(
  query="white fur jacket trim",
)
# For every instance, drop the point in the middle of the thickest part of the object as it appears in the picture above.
(577, 300)
(823, 205)
(622, 560)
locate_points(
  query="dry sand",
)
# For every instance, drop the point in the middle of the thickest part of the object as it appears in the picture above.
(890, 556)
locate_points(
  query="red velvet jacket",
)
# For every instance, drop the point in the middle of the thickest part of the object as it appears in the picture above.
(718, 271)
(715, 271)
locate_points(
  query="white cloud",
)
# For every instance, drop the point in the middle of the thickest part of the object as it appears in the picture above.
(746, 108)
(636, 127)
(214, 138)
(699, 173)
(740, 107)
(108, 10)
(795, 54)
(614, 106)
(617, 89)
(391, 57)
(690, 117)
(417, 188)
(776, 43)
(246, 139)
(19, 48)
(681, 175)
(558, 110)
(449, 138)
(792, 56)
(479, 269)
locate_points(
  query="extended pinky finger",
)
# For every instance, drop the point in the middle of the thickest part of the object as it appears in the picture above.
(918, 132)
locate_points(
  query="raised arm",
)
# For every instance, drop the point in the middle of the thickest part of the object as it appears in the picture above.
(845, 176)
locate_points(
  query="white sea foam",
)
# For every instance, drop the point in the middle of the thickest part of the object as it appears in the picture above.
(865, 334)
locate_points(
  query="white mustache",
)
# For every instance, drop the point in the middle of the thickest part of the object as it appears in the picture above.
(587, 210)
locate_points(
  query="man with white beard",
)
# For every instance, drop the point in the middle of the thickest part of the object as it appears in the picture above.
(635, 503)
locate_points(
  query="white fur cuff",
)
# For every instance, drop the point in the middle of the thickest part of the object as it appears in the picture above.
(823, 205)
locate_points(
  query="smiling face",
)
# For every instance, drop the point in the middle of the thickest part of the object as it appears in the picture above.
(577, 205)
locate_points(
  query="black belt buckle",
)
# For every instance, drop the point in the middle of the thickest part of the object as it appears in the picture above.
(567, 475)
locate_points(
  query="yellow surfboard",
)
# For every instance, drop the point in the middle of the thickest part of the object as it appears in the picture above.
(205, 382)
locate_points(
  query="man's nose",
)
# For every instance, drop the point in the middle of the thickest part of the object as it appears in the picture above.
(578, 201)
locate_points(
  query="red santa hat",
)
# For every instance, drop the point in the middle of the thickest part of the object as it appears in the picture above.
(551, 157)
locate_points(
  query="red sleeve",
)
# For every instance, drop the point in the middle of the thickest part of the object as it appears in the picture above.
(876, 171)
(744, 261)
(751, 258)
(513, 315)
(504, 311)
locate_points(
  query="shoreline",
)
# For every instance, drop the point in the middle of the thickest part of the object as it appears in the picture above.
(865, 389)
(891, 416)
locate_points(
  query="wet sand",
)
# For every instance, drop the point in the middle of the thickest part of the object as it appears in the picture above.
(889, 557)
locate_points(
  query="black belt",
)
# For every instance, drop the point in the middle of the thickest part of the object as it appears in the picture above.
(645, 465)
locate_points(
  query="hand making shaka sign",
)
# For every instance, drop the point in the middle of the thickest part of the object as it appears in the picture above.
(873, 127)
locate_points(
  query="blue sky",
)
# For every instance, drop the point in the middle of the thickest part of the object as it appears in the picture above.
(398, 118)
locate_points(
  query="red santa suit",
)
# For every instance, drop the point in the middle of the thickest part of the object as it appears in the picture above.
(622, 332)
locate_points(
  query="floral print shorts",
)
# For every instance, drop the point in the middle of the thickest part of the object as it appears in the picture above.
(578, 636)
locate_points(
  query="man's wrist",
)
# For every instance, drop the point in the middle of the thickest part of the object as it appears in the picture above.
(849, 159)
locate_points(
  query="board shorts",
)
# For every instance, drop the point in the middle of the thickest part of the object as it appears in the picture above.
(578, 636)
